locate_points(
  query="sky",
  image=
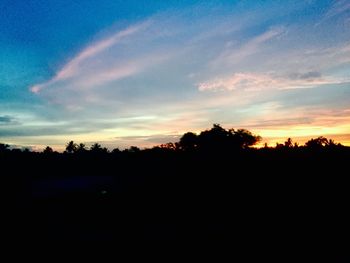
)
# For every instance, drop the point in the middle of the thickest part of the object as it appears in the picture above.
(142, 73)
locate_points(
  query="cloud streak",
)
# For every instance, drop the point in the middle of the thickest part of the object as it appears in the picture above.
(255, 82)
(339, 7)
(237, 54)
(6, 120)
(73, 67)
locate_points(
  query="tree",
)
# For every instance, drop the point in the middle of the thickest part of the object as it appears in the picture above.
(279, 146)
(71, 147)
(48, 150)
(243, 138)
(217, 138)
(333, 144)
(288, 143)
(168, 146)
(116, 151)
(317, 143)
(26, 150)
(188, 141)
(4, 147)
(134, 149)
(97, 148)
(81, 148)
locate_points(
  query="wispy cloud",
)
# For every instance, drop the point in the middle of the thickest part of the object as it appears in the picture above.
(252, 46)
(74, 66)
(337, 8)
(234, 55)
(254, 82)
(315, 117)
(119, 71)
(238, 81)
(6, 119)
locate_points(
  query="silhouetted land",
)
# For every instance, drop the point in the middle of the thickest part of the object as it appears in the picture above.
(211, 187)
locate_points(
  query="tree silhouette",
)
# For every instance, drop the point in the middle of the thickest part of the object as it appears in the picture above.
(169, 146)
(288, 143)
(133, 149)
(333, 144)
(97, 148)
(81, 148)
(132, 194)
(71, 147)
(317, 143)
(217, 138)
(48, 150)
(243, 138)
(116, 151)
(188, 141)
(4, 147)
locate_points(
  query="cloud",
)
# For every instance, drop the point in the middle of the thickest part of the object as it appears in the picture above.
(336, 9)
(237, 81)
(5, 119)
(102, 77)
(311, 58)
(120, 71)
(255, 81)
(279, 123)
(75, 65)
(96, 76)
(339, 7)
(235, 55)
(307, 75)
(146, 141)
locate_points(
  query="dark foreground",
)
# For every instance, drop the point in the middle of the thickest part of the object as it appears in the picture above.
(264, 202)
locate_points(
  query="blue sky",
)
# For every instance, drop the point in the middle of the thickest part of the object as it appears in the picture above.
(144, 72)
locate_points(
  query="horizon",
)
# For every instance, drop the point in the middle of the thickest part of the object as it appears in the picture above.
(261, 143)
(142, 73)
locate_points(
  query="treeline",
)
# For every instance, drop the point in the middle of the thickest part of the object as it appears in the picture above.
(216, 139)
(207, 187)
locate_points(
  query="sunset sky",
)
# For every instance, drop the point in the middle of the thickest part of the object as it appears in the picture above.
(142, 73)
